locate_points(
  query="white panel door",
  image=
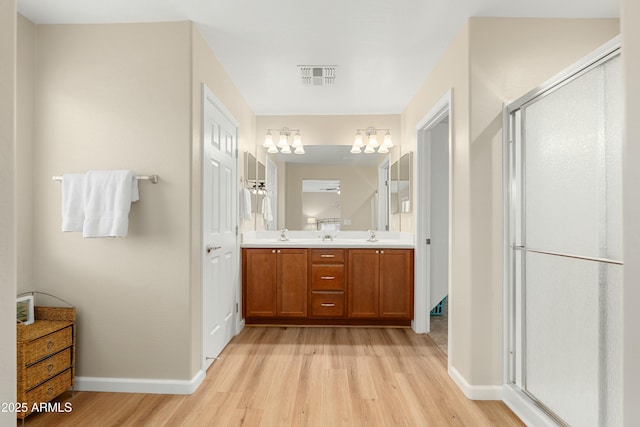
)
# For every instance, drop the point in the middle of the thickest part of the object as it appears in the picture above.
(219, 227)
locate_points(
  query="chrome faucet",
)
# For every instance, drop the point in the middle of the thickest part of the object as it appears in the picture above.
(372, 236)
(327, 236)
(283, 235)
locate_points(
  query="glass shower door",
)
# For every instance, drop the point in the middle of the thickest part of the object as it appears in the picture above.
(566, 247)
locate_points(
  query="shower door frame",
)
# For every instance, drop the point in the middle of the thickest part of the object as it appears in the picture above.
(522, 403)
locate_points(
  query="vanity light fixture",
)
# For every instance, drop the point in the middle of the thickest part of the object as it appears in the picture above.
(372, 144)
(283, 141)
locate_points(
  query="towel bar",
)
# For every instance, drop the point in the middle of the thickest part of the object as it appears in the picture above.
(153, 178)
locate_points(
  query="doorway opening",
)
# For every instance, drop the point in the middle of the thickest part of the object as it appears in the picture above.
(433, 152)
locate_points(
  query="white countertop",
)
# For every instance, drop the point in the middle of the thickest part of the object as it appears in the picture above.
(341, 239)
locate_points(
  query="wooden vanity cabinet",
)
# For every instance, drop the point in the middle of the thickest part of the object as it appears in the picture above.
(327, 284)
(274, 282)
(380, 284)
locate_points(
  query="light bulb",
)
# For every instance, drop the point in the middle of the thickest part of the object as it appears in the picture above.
(355, 149)
(383, 149)
(285, 150)
(387, 140)
(369, 149)
(357, 141)
(273, 149)
(297, 140)
(373, 140)
(268, 140)
(283, 140)
(299, 150)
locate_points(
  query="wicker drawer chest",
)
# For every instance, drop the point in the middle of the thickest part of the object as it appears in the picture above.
(46, 357)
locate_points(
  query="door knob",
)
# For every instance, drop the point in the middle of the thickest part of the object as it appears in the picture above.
(212, 248)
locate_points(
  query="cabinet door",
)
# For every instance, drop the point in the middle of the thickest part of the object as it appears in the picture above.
(363, 282)
(396, 283)
(260, 282)
(292, 282)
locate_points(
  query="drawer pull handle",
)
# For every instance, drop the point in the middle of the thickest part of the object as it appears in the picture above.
(49, 368)
(327, 277)
(328, 304)
(327, 256)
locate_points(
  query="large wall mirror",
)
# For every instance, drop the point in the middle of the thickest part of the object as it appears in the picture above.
(357, 185)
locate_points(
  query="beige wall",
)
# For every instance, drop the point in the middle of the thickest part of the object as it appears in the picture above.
(452, 72)
(127, 96)
(118, 96)
(207, 69)
(630, 23)
(8, 266)
(357, 187)
(25, 154)
(491, 61)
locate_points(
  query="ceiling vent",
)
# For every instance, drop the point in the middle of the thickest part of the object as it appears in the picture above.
(317, 75)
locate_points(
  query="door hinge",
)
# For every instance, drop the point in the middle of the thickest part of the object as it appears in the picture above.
(236, 230)
(428, 241)
(237, 307)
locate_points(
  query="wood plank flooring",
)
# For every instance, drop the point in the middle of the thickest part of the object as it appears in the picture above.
(288, 376)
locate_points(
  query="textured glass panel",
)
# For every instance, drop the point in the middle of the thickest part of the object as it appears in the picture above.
(611, 345)
(569, 141)
(613, 136)
(562, 336)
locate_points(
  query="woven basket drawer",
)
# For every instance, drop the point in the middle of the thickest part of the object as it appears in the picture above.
(48, 368)
(49, 344)
(48, 391)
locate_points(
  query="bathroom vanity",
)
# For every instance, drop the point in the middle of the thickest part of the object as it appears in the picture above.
(348, 280)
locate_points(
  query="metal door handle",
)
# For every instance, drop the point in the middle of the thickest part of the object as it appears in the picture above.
(327, 256)
(212, 248)
(327, 277)
(328, 304)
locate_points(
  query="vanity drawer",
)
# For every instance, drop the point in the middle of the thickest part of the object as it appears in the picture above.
(48, 344)
(327, 277)
(331, 256)
(327, 304)
(48, 368)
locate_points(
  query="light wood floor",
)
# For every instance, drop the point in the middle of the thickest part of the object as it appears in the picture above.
(287, 376)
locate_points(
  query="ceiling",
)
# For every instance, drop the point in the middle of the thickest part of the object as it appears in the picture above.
(383, 49)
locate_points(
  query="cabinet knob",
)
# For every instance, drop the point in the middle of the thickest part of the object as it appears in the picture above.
(49, 345)
(273, 251)
(49, 368)
(50, 391)
(381, 252)
(279, 251)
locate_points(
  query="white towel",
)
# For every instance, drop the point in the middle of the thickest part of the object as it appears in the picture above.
(72, 201)
(107, 201)
(245, 205)
(267, 213)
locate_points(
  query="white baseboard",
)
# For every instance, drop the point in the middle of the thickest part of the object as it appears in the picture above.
(475, 392)
(525, 409)
(139, 385)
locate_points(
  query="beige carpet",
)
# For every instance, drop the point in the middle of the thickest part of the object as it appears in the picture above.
(439, 328)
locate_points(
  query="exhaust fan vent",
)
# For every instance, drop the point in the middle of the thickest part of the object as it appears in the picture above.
(317, 75)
